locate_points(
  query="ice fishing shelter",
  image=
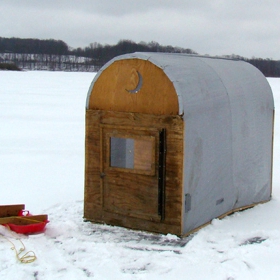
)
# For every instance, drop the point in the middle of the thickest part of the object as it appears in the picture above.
(174, 140)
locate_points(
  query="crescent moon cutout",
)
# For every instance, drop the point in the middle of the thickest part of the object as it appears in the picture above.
(139, 85)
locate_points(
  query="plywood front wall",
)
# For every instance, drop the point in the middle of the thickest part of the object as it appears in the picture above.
(134, 85)
(130, 198)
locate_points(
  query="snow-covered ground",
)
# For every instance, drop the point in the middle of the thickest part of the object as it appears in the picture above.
(42, 166)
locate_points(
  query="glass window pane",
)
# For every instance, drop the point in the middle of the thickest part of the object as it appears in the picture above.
(129, 153)
(122, 152)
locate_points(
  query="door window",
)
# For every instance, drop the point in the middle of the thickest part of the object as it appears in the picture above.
(133, 153)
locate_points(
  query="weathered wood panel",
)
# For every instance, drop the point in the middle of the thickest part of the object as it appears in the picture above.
(92, 191)
(111, 91)
(140, 224)
(11, 210)
(124, 206)
(132, 195)
(144, 154)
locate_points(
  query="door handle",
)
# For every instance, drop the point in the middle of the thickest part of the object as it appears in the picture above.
(102, 175)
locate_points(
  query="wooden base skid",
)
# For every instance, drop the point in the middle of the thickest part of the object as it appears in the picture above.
(137, 224)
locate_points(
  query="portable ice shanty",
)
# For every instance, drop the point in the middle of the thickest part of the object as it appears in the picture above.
(174, 140)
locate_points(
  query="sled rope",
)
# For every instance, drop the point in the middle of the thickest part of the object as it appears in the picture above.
(27, 257)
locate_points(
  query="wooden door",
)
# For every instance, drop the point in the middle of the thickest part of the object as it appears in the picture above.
(130, 172)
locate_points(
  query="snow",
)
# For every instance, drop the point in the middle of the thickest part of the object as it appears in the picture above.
(42, 165)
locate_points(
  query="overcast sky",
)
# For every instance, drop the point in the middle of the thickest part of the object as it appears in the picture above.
(216, 27)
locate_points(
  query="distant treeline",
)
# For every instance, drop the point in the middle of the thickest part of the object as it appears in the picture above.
(33, 46)
(57, 55)
(9, 66)
(103, 53)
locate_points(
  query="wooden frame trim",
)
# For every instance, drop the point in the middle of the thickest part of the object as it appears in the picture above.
(162, 174)
(101, 166)
(129, 127)
(272, 148)
(150, 172)
(153, 132)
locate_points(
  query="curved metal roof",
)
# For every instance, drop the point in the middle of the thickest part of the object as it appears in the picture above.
(199, 79)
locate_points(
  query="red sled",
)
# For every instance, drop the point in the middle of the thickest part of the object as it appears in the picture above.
(20, 220)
